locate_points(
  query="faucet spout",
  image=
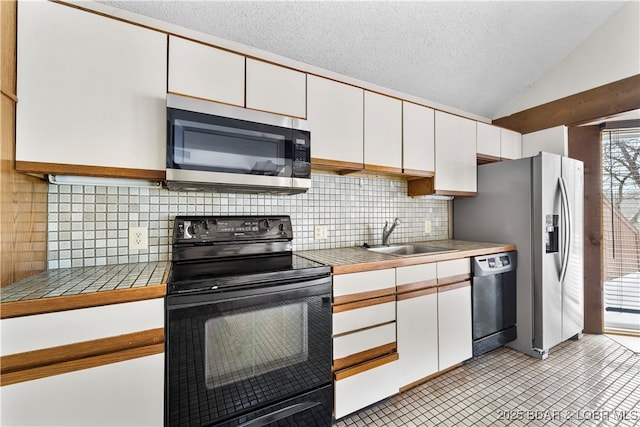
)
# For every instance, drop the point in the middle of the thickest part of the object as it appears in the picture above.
(386, 231)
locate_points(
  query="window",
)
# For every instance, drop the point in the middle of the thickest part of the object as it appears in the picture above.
(621, 229)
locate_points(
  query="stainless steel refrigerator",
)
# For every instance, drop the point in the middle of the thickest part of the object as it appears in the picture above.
(536, 203)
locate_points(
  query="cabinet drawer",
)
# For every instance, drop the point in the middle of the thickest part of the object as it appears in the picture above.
(413, 277)
(358, 347)
(363, 285)
(362, 385)
(364, 317)
(455, 270)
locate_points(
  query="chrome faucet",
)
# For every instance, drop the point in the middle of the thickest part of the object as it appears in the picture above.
(386, 232)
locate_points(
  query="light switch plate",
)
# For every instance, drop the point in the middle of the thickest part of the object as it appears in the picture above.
(427, 226)
(320, 232)
(138, 238)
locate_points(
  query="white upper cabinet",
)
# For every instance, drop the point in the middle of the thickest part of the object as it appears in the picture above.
(335, 112)
(202, 71)
(510, 144)
(455, 155)
(276, 89)
(91, 89)
(382, 132)
(417, 138)
(488, 143)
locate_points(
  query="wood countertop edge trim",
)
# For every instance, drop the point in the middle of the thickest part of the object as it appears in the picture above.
(80, 350)
(424, 259)
(71, 302)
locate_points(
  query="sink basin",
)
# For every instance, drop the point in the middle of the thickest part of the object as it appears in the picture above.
(408, 250)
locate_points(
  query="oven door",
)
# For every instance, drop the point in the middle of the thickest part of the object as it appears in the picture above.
(252, 356)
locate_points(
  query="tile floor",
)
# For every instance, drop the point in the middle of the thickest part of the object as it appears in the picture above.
(594, 381)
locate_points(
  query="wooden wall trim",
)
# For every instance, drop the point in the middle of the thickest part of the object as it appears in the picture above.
(24, 199)
(585, 145)
(613, 98)
(71, 302)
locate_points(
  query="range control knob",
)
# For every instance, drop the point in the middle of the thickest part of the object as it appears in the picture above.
(267, 225)
(193, 229)
(281, 228)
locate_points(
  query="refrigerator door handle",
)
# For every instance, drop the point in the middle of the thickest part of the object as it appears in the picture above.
(567, 233)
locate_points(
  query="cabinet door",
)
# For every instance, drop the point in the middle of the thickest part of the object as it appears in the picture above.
(358, 387)
(123, 393)
(276, 89)
(417, 322)
(455, 155)
(511, 144)
(455, 343)
(382, 132)
(488, 142)
(335, 112)
(92, 90)
(417, 138)
(205, 72)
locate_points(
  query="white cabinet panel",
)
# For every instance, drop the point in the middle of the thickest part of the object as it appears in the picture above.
(359, 318)
(511, 144)
(455, 154)
(417, 337)
(417, 137)
(361, 390)
(276, 89)
(346, 345)
(382, 130)
(455, 343)
(27, 333)
(202, 71)
(128, 393)
(92, 89)
(366, 281)
(454, 267)
(335, 112)
(415, 273)
(488, 140)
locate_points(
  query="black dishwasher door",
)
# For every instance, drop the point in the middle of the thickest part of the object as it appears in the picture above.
(494, 301)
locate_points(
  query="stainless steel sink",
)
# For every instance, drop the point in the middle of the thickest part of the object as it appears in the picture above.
(408, 250)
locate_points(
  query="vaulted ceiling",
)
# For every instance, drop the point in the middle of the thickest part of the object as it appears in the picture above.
(475, 56)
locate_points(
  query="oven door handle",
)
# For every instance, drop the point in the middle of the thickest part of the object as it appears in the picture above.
(307, 287)
(280, 414)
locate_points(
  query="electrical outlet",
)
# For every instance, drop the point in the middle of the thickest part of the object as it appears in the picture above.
(320, 232)
(427, 226)
(138, 238)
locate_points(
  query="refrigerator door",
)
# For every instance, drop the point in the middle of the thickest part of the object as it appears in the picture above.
(548, 237)
(573, 284)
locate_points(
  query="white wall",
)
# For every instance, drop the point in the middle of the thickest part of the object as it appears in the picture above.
(552, 140)
(609, 54)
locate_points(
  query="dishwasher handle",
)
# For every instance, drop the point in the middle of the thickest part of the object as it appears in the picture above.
(489, 265)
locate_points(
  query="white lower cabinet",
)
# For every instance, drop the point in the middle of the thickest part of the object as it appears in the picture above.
(128, 393)
(362, 385)
(454, 324)
(417, 335)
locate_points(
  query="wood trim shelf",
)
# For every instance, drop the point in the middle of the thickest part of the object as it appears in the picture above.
(346, 373)
(362, 304)
(382, 169)
(360, 296)
(342, 168)
(363, 356)
(70, 302)
(83, 170)
(416, 294)
(418, 173)
(416, 286)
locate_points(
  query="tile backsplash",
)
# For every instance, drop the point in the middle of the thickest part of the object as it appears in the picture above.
(89, 225)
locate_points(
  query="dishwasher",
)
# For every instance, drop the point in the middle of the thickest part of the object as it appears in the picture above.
(494, 301)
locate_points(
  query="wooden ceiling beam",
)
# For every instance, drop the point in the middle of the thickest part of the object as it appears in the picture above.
(613, 98)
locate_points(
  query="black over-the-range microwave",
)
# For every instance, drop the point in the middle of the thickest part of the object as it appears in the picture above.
(226, 148)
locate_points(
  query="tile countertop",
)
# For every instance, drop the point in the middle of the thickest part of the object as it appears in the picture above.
(356, 259)
(82, 287)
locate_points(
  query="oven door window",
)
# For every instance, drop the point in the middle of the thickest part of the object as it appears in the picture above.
(232, 356)
(248, 344)
(219, 144)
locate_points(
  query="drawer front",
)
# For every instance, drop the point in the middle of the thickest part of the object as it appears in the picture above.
(364, 282)
(357, 347)
(374, 381)
(27, 333)
(454, 268)
(365, 317)
(415, 273)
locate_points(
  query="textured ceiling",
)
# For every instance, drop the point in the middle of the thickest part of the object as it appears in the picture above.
(473, 56)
